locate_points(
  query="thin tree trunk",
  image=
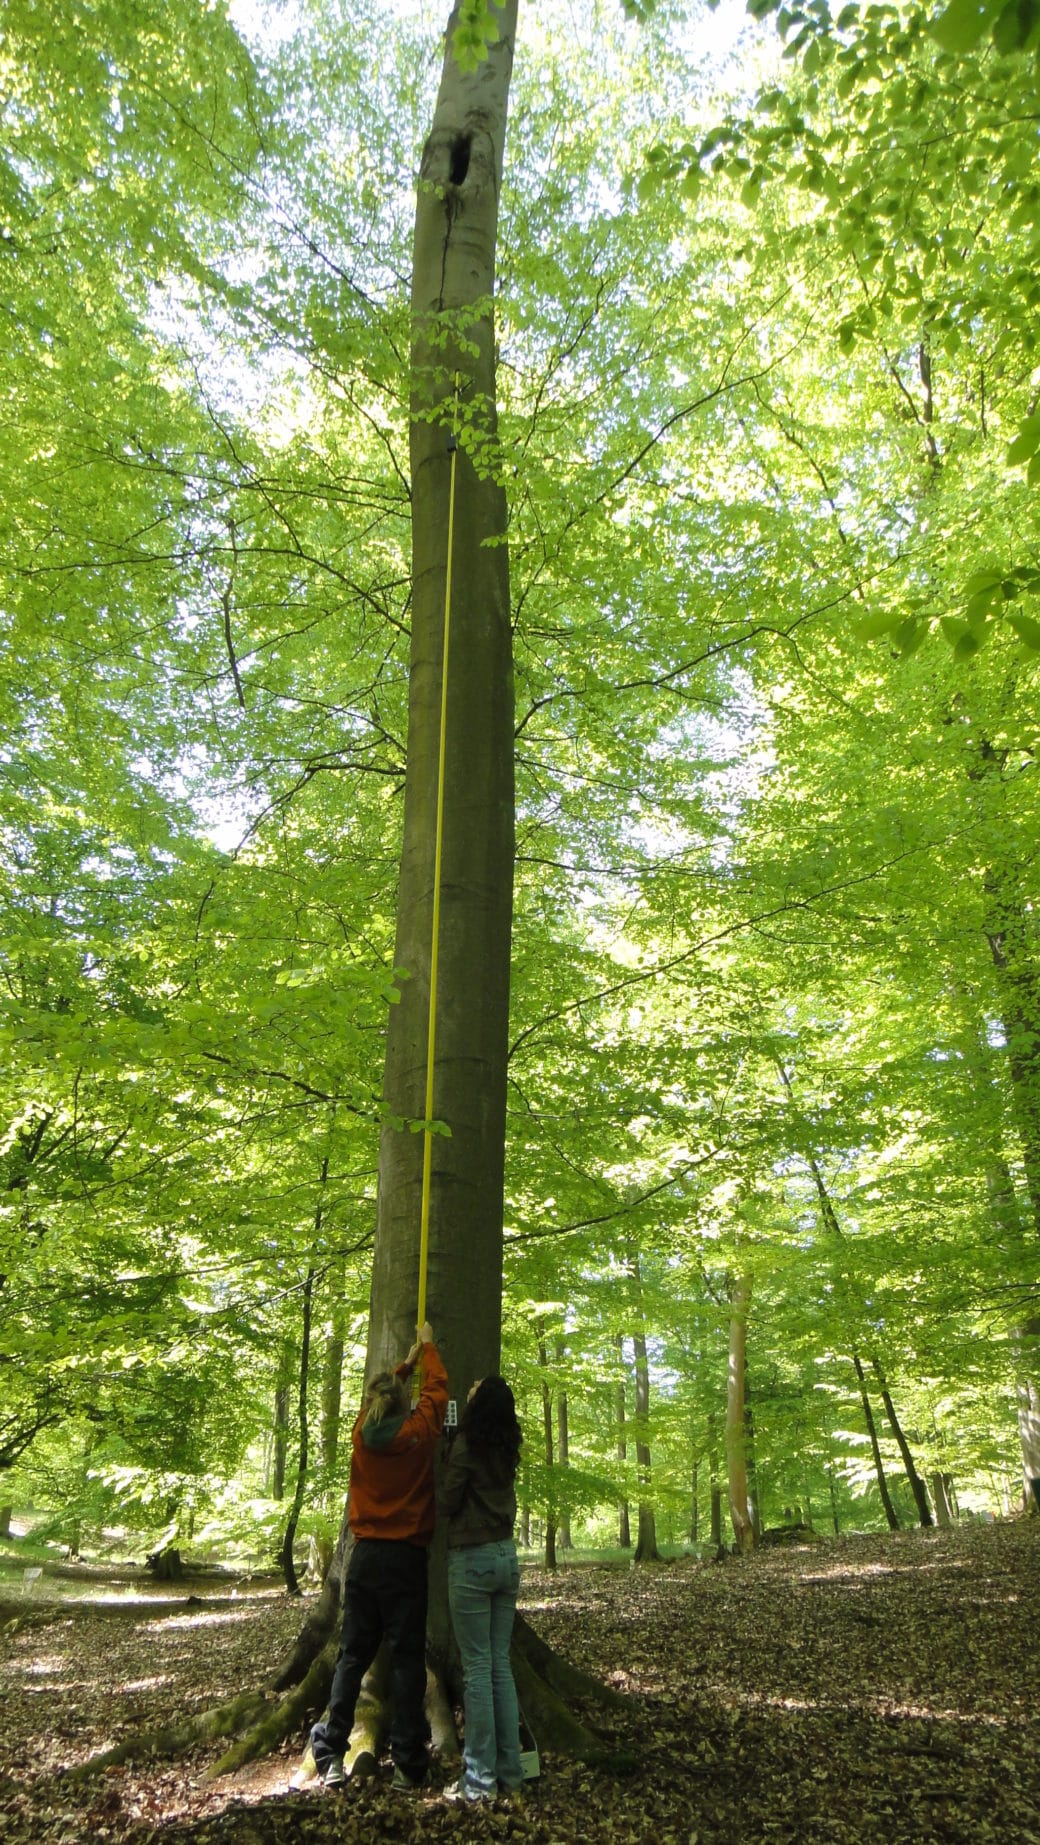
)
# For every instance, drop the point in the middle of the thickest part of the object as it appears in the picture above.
(332, 1365)
(754, 1510)
(875, 1446)
(550, 1465)
(736, 1454)
(624, 1522)
(562, 1451)
(694, 1506)
(834, 1502)
(286, 1554)
(941, 1494)
(917, 1485)
(646, 1542)
(1009, 933)
(280, 1433)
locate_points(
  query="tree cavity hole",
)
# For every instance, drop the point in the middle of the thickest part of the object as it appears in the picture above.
(460, 149)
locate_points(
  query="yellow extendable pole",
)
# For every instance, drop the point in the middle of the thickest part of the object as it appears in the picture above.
(431, 1032)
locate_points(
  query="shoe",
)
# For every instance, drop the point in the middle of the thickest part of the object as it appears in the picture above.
(468, 1796)
(401, 1783)
(335, 1774)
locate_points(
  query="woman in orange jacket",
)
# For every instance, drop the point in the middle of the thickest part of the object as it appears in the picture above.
(384, 1596)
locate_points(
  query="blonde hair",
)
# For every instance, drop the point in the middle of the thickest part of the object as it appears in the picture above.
(387, 1395)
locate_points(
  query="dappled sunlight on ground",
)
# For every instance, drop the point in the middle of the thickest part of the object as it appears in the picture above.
(871, 1690)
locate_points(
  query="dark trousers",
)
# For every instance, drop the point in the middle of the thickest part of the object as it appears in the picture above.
(384, 1598)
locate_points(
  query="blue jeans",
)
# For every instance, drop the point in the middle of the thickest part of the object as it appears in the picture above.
(483, 1580)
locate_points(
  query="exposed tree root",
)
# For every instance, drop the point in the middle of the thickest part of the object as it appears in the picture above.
(567, 1680)
(223, 1720)
(276, 1721)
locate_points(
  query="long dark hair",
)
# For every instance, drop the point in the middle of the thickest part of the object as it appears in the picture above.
(490, 1426)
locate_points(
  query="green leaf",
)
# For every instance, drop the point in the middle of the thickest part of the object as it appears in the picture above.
(978, 606)
(1027, 629)
(1015, 25)
(953, 630)
(963, 24)
(910, 634)
(1026, 442)
(881, 622)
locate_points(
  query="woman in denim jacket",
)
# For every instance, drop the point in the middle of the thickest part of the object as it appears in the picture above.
(477, 1495)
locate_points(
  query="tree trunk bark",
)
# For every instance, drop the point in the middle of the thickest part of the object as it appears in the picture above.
(875, 1447)
(917, 1485)
(943, 1497)
(624, 1521)
(286, 1554)
(646, 1550)
(1025, 1337)
(835, 1521)
(715, 1486)
(332, 1366)
(736, 1458)
(563, 1452)
(754, 1510)
(1028, 1341)
(453, 337)
(280, 1432)
(1009, 936)
(550, 1465)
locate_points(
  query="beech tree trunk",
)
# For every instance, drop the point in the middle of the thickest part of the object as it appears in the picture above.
(562, 1452)
(289, 1536)
(1025, 1337)
(1010, 931)
(754, 1509)
(714, 1486)
(942, 1494)
(280, 1431)
(646, 1542)
(624, 1521)
(550, 1464)
(875, 1446)
(453, 336)
(835, 1521)
(736, 1456)
(332, 1366)
(917, 1485)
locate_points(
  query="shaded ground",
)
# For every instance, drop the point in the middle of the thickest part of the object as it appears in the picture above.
(866, 1689)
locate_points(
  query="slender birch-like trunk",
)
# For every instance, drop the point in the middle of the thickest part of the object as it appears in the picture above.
(736, 1455)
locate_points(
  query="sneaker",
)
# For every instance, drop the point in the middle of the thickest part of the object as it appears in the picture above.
(335, 1774)
(403, 1784)
(468, 1796)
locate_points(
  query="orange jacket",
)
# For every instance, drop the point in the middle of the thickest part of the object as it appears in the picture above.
(391, 1472)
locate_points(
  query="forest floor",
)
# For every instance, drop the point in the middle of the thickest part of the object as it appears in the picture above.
(882, 1688)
